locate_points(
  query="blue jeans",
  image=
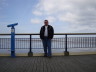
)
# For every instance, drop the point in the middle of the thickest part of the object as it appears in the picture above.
(47, 46)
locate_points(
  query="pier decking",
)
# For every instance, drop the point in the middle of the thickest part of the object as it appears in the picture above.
(80, 63)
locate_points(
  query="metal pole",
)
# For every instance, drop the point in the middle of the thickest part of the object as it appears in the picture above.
(66, 43)
(66, 53)
(13, 42)
(30, 54)
(0, 43)
(30, 44)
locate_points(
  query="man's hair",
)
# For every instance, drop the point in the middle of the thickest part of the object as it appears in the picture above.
(45, 20)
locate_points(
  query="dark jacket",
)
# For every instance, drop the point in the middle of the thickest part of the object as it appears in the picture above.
(50, 32)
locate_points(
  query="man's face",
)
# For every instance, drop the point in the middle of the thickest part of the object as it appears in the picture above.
(46, 23)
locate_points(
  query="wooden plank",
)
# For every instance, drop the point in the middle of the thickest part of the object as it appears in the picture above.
(76, 63)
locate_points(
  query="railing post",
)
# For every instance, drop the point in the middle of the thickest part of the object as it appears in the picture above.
(0, 43)
(30, 54)
(66, 53)
(30, 44)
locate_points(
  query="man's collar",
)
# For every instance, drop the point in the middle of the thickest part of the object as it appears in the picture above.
(46, 25)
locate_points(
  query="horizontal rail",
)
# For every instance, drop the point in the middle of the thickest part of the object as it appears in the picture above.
(54, 34)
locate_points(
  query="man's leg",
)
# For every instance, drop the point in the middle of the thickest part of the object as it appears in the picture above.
(45, 46)
(49, 47)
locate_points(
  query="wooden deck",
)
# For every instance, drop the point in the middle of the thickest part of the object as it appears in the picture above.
(82, 63)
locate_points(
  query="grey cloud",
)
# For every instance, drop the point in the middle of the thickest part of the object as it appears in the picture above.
(81, 12)
(85, 12)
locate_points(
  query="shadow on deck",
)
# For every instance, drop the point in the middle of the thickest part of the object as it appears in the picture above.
(82, 63)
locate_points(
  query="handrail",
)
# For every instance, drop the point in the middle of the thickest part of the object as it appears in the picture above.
(54, 34)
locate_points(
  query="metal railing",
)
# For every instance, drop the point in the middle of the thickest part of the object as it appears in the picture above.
(68, 40)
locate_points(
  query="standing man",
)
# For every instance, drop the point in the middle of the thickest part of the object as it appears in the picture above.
(46, 34)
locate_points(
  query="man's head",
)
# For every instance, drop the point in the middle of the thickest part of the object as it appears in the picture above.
(46, 22)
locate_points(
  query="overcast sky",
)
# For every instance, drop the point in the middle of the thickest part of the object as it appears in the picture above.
(66, 16)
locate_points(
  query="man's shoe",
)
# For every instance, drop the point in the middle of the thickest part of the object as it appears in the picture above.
(45, 55)
(49, 56)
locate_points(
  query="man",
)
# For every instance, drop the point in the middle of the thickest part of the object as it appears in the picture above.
(46, 34)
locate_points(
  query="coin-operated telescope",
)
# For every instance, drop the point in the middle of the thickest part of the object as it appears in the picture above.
(12, 38)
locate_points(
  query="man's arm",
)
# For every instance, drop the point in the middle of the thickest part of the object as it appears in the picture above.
(52, 31)
(41, 33)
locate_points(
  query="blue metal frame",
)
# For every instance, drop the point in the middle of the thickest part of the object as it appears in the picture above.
(12, 38)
